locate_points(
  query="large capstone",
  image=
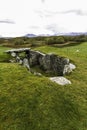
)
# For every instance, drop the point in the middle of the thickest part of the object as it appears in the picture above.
(18, 50)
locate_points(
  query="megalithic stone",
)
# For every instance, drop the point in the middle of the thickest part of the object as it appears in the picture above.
(26, 63)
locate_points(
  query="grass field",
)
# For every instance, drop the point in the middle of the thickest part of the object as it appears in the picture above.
(29, 102)
(3, 56)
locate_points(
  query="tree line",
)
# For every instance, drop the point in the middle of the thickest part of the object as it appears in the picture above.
(38, 41)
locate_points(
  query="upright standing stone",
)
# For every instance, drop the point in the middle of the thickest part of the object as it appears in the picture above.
(26, 63)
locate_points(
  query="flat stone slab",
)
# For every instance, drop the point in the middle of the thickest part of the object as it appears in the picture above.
(60, 80)
(18, 50)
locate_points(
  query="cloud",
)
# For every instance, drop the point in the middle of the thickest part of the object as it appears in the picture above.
(42, 16)
(7, 21)
(77, 12)
(43, 1)
(54, 28)
(44, 13)
(47, 13)
(40, 13)
(35, 27)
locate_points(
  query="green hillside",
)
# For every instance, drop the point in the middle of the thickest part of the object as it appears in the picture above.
(29, 102)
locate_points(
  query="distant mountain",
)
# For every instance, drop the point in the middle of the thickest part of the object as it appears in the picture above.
(44, 35)
(73, 33)
(58, 34)
(30, 35)
(34, 35)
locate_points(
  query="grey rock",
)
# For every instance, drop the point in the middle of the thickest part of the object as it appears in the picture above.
(13, 54)
(20, 61)
(72, 66)
(12, 61)
(26, 63)
(37, 74)
(66, 60)
(18, 50)
(34, 57)
(68, 68)
(40, 53)
(53, 63)
(17, 58)
(60, 80)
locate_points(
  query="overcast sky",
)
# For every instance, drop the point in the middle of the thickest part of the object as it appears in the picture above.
(19, 17)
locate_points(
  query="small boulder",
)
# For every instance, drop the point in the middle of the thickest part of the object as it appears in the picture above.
(37, 74)
(60, 80)
(68, 68)
(13, 54)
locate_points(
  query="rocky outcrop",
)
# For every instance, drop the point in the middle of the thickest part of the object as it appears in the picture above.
(49, 63)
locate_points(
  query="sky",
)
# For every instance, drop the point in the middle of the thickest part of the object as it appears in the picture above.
(21, 17)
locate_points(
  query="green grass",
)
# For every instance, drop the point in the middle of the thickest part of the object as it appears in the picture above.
(3, 56)
(29, 102)
(78, 58)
